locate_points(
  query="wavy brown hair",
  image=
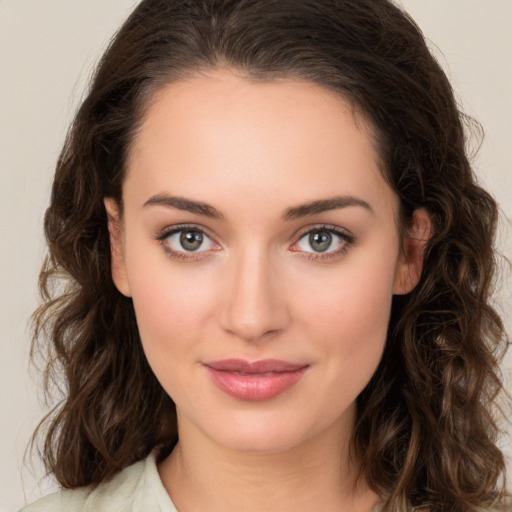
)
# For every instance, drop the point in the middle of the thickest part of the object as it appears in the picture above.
(426, 428)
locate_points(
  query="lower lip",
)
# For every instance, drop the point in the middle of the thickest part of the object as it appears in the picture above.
(255, 387)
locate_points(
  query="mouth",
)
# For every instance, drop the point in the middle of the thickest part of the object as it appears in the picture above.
(254, 380)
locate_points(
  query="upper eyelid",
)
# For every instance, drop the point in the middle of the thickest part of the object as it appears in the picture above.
(327, 227)
(169, 230)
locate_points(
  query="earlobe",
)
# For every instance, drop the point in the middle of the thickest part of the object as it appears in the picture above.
(118, 266)
(410, 263)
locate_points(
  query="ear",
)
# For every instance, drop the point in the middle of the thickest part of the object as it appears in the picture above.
(118, 266)
(410, 262)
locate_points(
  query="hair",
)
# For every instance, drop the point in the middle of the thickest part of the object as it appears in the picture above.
(426, 427)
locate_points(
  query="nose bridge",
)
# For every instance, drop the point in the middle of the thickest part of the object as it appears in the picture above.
(254, 305)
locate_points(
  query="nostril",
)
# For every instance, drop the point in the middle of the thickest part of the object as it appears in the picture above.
(253, 335)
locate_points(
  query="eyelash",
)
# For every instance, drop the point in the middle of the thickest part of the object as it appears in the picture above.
(181, 255)
(347, 241)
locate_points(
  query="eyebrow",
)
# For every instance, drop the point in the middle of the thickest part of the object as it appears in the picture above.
(324, 205)
(187, 205)
(293, 213)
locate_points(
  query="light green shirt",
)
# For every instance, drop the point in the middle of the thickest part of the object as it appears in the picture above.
(137, 488)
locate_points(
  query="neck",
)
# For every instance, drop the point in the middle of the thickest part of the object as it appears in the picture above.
(317, 475)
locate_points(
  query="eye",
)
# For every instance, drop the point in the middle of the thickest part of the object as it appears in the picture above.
(183, 242)
(319, 241)
(325, 240)
(189, 240)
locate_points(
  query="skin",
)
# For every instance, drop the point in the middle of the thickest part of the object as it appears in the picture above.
(257, 289)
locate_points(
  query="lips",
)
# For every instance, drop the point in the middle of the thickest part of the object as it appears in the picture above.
(254, 380)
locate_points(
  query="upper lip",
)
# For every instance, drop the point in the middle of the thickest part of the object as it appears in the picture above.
(254, 367)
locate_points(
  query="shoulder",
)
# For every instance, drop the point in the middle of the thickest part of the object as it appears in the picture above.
(137, 487)
(61, 501)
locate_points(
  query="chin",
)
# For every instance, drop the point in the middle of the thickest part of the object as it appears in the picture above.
(264, 432)
(264, 441)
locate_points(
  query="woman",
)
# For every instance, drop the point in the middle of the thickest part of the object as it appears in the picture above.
(278, 268)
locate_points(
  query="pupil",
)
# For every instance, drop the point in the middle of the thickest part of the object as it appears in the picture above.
(191, 240)
(320, 241)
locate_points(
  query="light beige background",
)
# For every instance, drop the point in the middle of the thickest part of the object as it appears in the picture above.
(47, 50)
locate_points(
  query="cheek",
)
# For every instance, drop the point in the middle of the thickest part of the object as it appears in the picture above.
(162, 300)
(357, 296)
(350, 320)
(171, 317)
(173, 305)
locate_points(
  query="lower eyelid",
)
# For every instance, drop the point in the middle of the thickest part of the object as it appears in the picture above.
(325, 257)
(184, 256)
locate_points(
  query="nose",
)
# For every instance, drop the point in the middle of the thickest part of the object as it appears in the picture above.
(254, 306)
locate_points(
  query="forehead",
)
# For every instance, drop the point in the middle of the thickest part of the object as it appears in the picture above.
(225, 133)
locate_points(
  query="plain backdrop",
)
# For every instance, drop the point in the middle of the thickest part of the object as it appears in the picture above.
(48, 49)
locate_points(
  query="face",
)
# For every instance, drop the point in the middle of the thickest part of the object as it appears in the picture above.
(259, 243)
